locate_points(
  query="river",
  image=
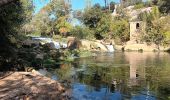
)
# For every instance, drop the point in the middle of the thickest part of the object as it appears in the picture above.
(116, 76)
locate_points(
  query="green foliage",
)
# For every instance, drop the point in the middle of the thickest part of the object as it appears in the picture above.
(155, 14)
(120, 29)
(112, 6)
(63, 26)
(85, 53)
(82, 32)
(138, 6)
(154, 35)
(59, 8)
(149, 17)
(103, 26)
(12, 17)
(157, 30)
(91, 17)
(52, 18)
(131, 2)
(98, 21)
(164, 6)
(165, 28)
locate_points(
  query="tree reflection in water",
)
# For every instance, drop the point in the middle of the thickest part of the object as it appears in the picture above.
(129, 75)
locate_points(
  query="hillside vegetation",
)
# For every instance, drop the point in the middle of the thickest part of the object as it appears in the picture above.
(57, 20)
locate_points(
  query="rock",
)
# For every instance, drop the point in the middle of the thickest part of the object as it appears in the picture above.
(50, 45)
(30, 43)
(55, 54)
(85, 44)
(165, 48)
(30, 86)
(143, 47)
(40, 56)
(119, 47)
(73, 43)
(101, 46)
(93, 45)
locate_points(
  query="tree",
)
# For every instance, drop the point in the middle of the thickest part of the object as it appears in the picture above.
(157, 30)
(154, 2)
(112, 6)
(164, 6)
(59, 8)
(97, 20)
(120, 29)
(52, 18)
(82, 32)
(103, 26)
(63, 26)
(13, 14)
(91, 16)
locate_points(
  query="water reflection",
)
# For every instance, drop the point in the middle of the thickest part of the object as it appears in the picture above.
(130, 75)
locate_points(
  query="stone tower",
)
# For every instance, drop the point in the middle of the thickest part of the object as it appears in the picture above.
(137, 28)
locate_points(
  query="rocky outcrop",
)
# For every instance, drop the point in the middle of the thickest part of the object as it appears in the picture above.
(93, 45)
(145, 47)
(30, 86)
(73, 43)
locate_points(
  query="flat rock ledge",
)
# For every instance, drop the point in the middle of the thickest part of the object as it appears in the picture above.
(30, 86)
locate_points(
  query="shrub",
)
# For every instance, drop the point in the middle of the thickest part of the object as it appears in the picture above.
(138, 6)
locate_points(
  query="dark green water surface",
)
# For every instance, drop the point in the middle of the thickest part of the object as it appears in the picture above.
(116, 76)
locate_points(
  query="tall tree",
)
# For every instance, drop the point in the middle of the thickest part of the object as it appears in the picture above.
(13, 14)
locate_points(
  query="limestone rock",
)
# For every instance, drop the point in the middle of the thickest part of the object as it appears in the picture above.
(73, 43)
(143, 47)
(30, 86)
(93, 45)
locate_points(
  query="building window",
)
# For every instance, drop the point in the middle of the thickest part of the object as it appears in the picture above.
(137, 26)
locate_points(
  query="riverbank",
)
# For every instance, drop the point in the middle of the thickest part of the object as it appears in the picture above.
(108, 45)
(30, 86)
(142, 48)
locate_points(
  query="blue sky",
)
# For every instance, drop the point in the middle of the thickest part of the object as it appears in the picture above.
(76, 4)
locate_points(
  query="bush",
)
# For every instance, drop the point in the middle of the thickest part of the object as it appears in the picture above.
(138, 6)
(82, 32)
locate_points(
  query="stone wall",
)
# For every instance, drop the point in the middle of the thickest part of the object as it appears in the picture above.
(137, 28)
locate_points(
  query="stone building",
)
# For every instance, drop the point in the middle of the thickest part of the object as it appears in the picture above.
(137, 28)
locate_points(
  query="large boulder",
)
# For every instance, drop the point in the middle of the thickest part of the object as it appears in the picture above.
(101, 46)
(93, 45)
(50, 45)
(85, 44)
(30, 43)
(73, 43)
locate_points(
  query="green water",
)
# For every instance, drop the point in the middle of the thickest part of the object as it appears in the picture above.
(117, 76)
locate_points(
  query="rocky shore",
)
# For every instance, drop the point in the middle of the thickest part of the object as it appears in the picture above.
(30, 86)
